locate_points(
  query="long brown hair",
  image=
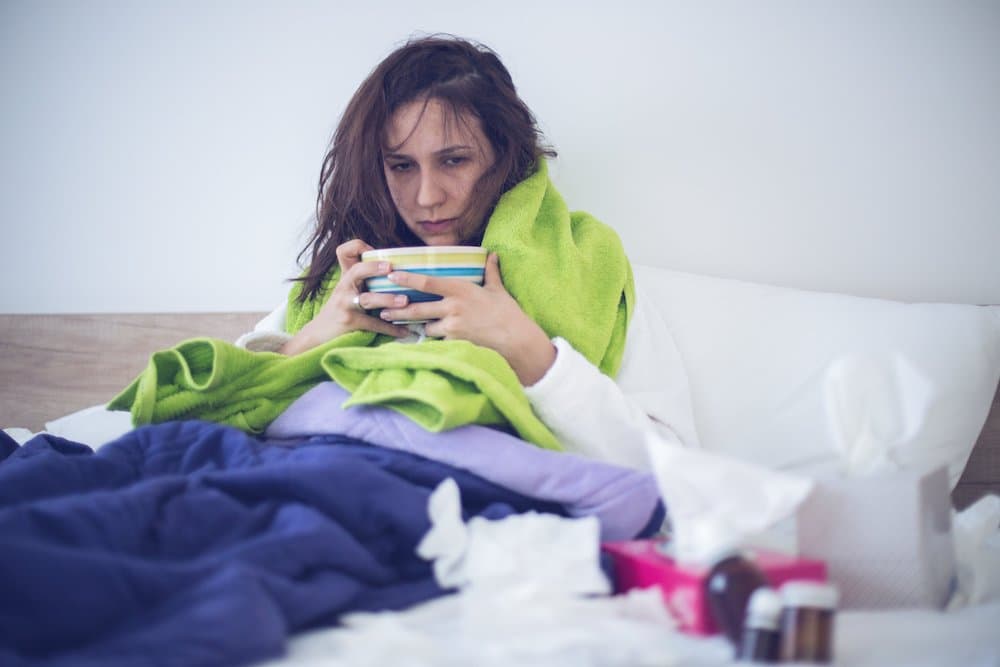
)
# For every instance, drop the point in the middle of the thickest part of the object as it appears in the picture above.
(354, 200)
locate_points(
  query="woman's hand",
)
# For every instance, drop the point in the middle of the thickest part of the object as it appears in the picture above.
(345, 310)
(487, 316)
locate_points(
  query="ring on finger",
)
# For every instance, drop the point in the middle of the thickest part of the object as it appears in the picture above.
(357, 303)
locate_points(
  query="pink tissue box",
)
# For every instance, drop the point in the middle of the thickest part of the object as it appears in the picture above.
(641, 564)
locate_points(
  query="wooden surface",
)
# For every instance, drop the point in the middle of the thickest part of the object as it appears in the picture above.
(52, 365)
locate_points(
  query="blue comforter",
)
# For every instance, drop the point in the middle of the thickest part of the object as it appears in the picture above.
(188, 543)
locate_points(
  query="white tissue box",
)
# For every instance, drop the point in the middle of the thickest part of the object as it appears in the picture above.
(886, 538)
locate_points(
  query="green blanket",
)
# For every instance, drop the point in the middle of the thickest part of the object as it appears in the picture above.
(567, 271)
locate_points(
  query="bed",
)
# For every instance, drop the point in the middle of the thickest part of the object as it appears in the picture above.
(58, 370)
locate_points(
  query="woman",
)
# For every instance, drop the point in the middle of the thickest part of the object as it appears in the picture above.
(429, 144)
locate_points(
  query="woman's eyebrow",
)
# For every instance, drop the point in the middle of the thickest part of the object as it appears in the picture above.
(454, 149)
(457, 148)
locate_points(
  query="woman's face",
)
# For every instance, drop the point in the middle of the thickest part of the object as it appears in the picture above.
(432, 161)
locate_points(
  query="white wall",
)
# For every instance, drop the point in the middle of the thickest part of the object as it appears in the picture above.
(164, 156)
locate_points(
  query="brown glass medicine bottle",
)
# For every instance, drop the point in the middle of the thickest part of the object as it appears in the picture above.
(728, 586)
(807, 621)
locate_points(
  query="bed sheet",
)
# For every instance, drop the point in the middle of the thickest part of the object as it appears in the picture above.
(894, 638)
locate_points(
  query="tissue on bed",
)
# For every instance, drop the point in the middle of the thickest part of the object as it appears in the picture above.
(541, 552)
(977, 547)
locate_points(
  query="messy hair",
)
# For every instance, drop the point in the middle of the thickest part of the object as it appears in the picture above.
(354, 199)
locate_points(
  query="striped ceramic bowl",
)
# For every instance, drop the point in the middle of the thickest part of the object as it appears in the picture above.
(460, 262)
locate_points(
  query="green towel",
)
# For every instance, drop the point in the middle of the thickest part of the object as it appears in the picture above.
(567, 271)
(211, 379)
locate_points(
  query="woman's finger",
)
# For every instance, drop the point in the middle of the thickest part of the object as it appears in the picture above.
(429, 310)
(359, 272)
(374, 300)
(349, 253)
(491, 276)
(381, 326)
(357, 315)
(430, 284)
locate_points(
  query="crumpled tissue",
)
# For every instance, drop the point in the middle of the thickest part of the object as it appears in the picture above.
(716, 503)
(876, 407)
(530, 592)
(541, 551)
(977, 546)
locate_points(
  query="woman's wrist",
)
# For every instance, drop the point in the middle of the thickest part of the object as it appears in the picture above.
(531, 355)
(302, 340)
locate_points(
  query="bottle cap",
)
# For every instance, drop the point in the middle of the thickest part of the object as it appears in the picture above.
(721, 553)
(809, 594)
(763, 609)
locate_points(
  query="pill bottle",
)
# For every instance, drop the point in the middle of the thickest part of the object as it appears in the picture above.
(761, 638)
(733, 577)
(807, 617)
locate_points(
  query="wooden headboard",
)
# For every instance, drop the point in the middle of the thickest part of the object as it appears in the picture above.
(52, 365)
(982, 472)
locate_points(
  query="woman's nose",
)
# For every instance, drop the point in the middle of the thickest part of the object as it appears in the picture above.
(430, 193)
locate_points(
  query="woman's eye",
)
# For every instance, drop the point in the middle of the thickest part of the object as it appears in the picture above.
(455, 161)
(400, 166)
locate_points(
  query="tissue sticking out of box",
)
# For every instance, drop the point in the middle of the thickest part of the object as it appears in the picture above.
(875, 408)
(891, 480)
(716, 502)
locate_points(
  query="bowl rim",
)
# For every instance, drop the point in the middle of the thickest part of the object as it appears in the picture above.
(429, 250)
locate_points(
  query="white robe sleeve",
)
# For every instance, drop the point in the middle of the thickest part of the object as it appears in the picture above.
(606, 419)
(269, 334)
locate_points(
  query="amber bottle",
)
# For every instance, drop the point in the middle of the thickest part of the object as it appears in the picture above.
(728, 586)
(807, 621)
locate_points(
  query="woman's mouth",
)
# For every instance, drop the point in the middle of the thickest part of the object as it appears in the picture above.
(437, 226)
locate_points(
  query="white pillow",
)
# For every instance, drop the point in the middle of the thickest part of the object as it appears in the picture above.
(793, 379)
(93, 426)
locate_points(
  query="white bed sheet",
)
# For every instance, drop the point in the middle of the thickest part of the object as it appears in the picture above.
(969, 637)
(517, 621)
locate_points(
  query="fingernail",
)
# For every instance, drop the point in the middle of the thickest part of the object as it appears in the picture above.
(392, 276)
(399, 300)
(385, 316)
